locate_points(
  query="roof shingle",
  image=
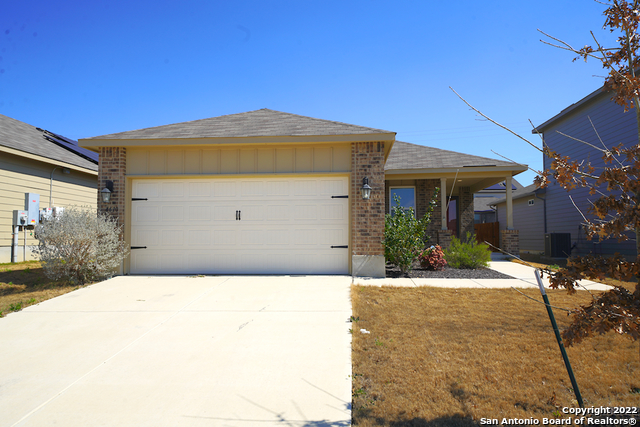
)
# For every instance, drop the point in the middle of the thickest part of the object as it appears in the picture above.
(405, 155)
(24, 137)
(255, 123)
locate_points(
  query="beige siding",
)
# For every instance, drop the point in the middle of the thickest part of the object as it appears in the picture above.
(19, 175)
(230, 160)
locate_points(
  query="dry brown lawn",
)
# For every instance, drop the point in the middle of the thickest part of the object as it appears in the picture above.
(24, 284)
(447, 357)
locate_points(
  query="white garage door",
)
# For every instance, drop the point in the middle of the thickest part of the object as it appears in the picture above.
(240, 226)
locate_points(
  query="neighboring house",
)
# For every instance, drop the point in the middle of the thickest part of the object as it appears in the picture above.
(34, 160)
(528, 217)
(597, 120)
(487, 197)
(267, 192)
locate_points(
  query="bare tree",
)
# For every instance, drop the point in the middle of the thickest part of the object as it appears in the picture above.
(616, 211)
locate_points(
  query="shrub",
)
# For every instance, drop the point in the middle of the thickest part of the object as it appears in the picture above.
(404, 235)
(468, 254)
(432, 258)
(80, 246)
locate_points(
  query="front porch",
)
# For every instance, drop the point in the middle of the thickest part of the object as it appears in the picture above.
(414, 172)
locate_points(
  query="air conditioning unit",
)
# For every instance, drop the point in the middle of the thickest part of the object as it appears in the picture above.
(557, 245)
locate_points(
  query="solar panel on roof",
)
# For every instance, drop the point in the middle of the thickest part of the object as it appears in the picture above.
(69, 144)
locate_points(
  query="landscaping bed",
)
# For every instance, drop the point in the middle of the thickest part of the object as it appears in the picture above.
(447, 273)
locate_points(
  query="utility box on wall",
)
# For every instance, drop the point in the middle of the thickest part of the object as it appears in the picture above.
(32, 206)
(20, 218)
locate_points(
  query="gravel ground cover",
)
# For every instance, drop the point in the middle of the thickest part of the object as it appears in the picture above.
(448, 273)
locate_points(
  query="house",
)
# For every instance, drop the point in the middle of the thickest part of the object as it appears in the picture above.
(487, 197)
(596, 120)
(34, 160)
(528, 217)
(268, 192)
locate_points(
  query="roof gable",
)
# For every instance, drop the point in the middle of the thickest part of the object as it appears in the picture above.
(405, 155)
(257, 123)
(32, 140)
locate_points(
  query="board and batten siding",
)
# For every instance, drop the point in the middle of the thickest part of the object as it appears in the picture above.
(232, 160)
(528, 220)
(20, 175)
(614, 126)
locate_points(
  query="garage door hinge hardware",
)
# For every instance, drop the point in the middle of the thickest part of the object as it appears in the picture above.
(138, 247)
(135, 199)
(339, 197)
(340, 247)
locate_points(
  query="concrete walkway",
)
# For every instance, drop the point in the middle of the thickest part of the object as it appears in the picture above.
(522, 277)
(179, 351)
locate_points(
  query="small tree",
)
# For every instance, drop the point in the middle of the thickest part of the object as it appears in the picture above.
(404, 235)
(80, 246)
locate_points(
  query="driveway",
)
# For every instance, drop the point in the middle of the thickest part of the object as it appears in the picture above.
(181, 351)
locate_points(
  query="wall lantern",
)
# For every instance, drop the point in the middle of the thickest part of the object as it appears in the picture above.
(106, 192)
(366, 190)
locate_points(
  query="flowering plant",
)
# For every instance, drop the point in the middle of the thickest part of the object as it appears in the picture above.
(432, 258)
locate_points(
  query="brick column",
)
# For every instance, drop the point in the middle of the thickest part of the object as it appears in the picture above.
(424, 192)
(444, 238)
(367, 216)
(466, 212)
(112, 167)
(510, 241)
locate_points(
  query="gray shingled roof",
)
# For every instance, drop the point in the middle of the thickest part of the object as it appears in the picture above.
(412, 156)
(529, 190)
(483, 204)
(24, 137)
(256, 123)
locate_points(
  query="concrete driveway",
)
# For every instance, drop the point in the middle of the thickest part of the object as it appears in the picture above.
(181, 351)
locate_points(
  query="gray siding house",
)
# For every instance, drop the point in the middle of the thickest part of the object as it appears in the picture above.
(528, 217)
(592, 119)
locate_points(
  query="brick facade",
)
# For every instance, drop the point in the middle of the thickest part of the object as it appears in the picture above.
(465, 198)
(367, 216)
(510, 241)
(112, 167)
(424, 193)
(444, 238)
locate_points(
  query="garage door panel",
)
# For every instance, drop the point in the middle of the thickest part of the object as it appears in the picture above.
(199, 213)
(142, 237)
(172, 238)
(145, 213)
(287, 226)
(224, 212)
(199, 237)
(200, 189)
(146, 188)
(279, 188)
(305, 212)
(224, 188)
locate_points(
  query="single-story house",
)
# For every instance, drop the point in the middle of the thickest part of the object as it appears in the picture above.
(597, 120)
(267, 192)
(528, 217)
(37, 161)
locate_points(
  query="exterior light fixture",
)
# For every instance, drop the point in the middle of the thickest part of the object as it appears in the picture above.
(366, 189)
(106, 192)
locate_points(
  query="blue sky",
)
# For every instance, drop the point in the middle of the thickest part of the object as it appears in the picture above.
(85, 69)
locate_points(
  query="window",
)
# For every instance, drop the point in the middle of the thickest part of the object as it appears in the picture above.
(531, 202)
(407, 197)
